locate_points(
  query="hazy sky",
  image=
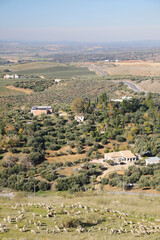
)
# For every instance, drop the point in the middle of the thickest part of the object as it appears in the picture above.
(80, 20)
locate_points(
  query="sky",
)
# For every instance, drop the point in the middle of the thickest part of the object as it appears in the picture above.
(80, 20)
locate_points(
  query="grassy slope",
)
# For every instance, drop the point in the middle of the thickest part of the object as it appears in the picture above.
(8, 92)
(139, 209)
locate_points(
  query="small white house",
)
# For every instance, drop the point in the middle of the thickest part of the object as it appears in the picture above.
(14, 76)
(126, 156)
(121, 100)
(116, 100)
(126, 98)
(152, 160)
(57, 80)
(79, 118)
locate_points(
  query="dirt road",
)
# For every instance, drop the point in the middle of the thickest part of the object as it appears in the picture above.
(110, 168)
(129, 84)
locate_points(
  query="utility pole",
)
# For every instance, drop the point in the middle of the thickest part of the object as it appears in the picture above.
(34, 190)
(123, 185)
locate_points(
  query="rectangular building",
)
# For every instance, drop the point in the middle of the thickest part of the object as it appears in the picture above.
(38, 110)
(152, 160)
(121, 156)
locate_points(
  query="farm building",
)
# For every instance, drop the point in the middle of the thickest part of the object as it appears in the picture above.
(121, 100)
(38, 110)
(79, 118)
(152, 160)
(121, 156)
(14, 76)
(57, 80)
(126, 98)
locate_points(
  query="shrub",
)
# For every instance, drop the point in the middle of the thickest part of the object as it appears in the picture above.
(68, 163)
(144, 181)
(79, 150)
(72, 145)
(73, 183)
(26, 150)
(54, 147)
(35, 157)
(110, 162)
(120, 138)
(9, 160)
(105, 181)
(70, 222)
(44, 186)
(104, 141)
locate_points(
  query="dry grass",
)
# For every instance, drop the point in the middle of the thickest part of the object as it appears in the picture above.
(139, 68)
(64, 158)
(29, 66)
(4, 91)
(27, 91)
(148, 85)
(134, 68)
(139, 209)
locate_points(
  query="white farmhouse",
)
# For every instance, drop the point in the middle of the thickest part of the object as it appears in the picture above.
(122, 156)
(57, 80)
(14, 76)
(79, 118)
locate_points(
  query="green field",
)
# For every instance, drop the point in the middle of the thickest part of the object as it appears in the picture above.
(58, 72)
(48, 70)
(35, 70)
(95, 214)
(76, 82)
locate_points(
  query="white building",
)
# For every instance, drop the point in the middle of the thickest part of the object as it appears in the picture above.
(14, 76)
(152, 160)
(126, 98)
(121, 100)
(122, 156)
(79, 118)
(116, 100)
(57, 80)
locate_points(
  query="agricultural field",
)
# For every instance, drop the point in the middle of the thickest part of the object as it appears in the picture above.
(39, 73)
(88, 215)
(6, 88)
(137, 68)
(150, 85)
(47, 69)
(38, 84)
(147, 73)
